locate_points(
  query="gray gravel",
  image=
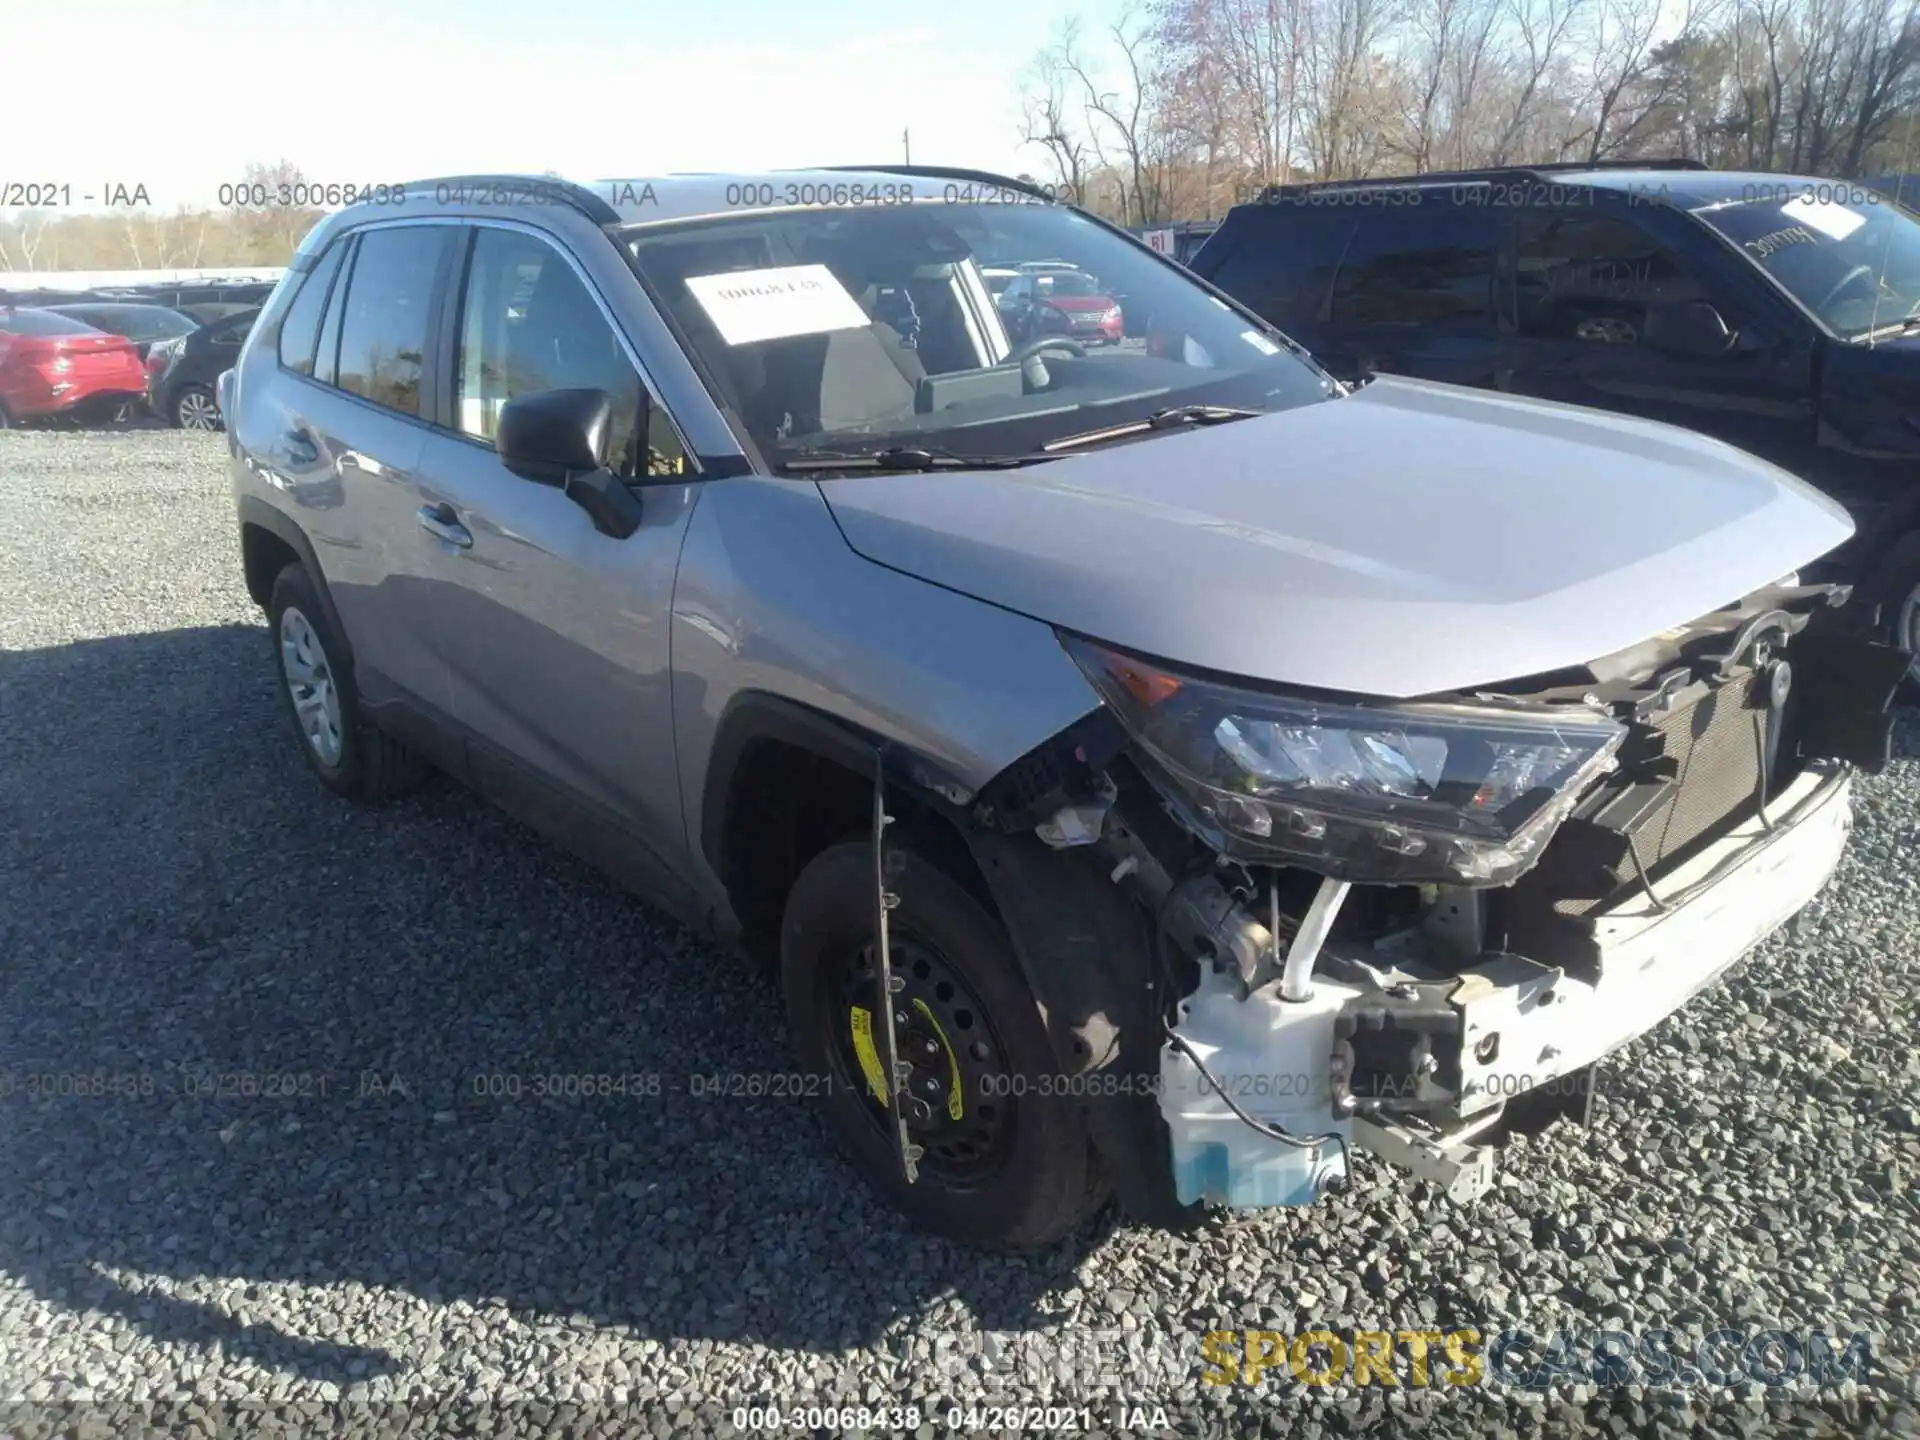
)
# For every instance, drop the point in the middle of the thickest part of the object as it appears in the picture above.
(179, 902)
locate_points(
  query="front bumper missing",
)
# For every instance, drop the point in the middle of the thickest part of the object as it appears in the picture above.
(1524, 1024)
(1519, 1025)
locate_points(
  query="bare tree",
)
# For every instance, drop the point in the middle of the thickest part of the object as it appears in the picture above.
(1045, 121)
(1125, 112)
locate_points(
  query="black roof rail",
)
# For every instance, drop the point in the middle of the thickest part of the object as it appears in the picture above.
(580, 197)
(951, 172)
(1489, 172)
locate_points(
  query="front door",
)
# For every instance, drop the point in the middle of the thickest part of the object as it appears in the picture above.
(556, 636)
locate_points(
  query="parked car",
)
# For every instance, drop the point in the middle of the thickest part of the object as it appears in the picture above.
(1060, 302)
(998, 277)
(142, 324)
(1276, 768)
(54, 366)
(1778, 312)
(189, 295)
(181, 373)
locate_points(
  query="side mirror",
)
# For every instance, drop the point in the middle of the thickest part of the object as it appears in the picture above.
(1694, 328)
(559, 437)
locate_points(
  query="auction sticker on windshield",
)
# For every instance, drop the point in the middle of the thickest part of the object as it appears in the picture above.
(750, 305)
(1826, 216)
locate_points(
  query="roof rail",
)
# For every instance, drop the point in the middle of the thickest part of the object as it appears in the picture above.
(580, 197)
(1490, 172)
(949, 172)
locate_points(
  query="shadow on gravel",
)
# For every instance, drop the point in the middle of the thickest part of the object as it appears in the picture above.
(251, 1034)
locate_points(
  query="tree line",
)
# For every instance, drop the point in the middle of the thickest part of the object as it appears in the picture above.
(1179, 108)
(145, 238)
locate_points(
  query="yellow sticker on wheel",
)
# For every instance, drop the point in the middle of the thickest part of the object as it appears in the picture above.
(868, 1057)
(956, 1097)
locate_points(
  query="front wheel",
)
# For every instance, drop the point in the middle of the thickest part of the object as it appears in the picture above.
(1897, 588)
(1006, 1161)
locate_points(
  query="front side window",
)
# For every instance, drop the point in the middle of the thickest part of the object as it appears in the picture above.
(385, 322)
(1419, 267)
(1593, 278)
(528, 323)
(1851, 256)
(836, 330)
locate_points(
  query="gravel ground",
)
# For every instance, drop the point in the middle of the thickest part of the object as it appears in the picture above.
(179, 902)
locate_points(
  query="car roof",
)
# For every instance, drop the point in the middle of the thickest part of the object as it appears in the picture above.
(657, 199)
(1683, 184)
(110, 304)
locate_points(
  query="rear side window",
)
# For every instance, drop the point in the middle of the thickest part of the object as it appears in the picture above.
(1593, 278)
(1279, 264)
(386, 320)
(300, 330)
(1419, 267)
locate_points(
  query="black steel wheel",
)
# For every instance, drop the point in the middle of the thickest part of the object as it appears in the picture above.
(1005, 1163)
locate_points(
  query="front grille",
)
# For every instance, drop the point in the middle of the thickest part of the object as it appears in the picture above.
(1686, 777)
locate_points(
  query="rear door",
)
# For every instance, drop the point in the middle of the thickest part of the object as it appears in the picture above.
(555, 635)
(352, 425)
(1413, 295)
(220, 346)
(1585, 281)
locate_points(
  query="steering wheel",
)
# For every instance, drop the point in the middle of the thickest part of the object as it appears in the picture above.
(1858, 272)
(1042, 343)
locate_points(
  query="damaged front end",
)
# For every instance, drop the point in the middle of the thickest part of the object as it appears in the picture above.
(1415, 927)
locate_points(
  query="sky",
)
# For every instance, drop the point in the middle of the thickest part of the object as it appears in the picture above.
(361, 92)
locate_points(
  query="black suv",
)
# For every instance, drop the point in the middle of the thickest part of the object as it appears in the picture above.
(1777, 312)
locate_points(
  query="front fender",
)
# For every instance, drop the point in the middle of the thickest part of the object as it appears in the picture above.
(1087, 953)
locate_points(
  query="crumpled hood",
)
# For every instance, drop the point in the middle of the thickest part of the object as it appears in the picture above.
(1408, 539)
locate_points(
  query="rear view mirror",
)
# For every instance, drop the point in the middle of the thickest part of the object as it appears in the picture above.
(559, 437)
(1694, 328)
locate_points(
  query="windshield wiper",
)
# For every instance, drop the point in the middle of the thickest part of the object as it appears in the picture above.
(1160, 420)
(903, 459)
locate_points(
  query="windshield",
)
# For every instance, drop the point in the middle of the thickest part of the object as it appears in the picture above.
(846, 330)
(1849, 255)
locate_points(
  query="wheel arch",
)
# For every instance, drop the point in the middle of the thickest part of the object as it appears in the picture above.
(269, 541)
(1084, 948)
(785, 780)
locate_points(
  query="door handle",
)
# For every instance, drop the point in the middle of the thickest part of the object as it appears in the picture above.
(439, 519)
(300, 447)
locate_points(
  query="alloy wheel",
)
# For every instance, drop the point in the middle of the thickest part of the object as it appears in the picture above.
(197, 411)
(309, 676)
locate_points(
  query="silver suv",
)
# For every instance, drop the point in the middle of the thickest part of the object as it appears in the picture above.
(1161, 770)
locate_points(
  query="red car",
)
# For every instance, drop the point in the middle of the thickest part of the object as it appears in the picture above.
(1060, 302)
(55, 365)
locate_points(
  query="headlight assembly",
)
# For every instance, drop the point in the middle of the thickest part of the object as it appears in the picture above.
(1394, 793)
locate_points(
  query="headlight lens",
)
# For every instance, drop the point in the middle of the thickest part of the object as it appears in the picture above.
(1386, 793)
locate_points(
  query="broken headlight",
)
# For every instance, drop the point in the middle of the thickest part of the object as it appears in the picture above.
(1389, 793)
